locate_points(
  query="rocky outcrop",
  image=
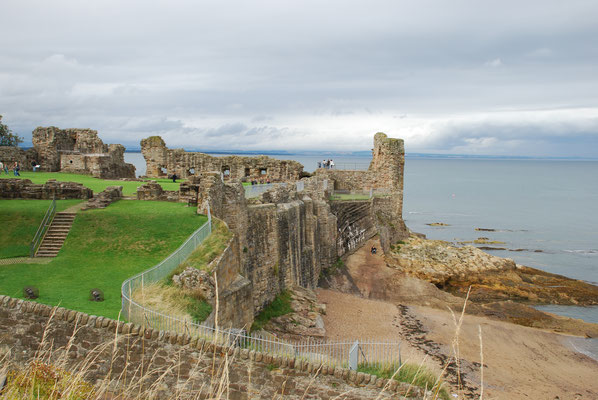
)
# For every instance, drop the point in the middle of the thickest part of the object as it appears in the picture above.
(491, 278)
(162, 161)
(25, 189)
(80, 151)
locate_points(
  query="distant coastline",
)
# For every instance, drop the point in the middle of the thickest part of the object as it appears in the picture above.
(368, 154)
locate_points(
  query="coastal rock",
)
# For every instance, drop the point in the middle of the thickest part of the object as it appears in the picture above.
(437, 261)
(491, 278)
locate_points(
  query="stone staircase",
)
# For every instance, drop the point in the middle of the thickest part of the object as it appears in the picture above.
(56, 234)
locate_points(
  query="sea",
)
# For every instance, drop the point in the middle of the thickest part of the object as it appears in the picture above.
(545, 211)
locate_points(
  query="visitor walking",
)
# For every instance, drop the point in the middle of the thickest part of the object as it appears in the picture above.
(5, 168)
(1, 166)
(34, 165)
(16, 169)
(331, 164)
(174, 177)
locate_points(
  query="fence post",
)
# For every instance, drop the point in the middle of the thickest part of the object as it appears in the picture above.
(354, 356)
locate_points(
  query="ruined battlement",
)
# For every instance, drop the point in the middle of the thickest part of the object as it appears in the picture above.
(162, 161)
(80, 151)
(289, 234)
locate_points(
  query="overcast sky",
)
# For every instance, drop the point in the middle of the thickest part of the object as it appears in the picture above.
(471, 77)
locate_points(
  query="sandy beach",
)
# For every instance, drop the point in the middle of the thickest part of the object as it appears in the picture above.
(519, 362)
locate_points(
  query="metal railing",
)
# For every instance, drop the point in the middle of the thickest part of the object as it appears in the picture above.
(352, 195)
(43, 228)
(134, 311)
(349, 167)
(252, 191)
(312, 350)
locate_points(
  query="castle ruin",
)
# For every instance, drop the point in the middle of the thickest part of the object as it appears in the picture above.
(80, 151)
(290, 234)
(162, 161)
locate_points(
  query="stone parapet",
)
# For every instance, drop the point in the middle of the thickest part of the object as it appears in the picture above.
(116, 351)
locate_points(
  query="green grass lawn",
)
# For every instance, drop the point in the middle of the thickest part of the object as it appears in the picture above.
(19, 220)
(95, 184)
(104, 247)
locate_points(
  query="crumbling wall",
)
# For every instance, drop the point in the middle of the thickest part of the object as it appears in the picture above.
(25, 189)
(385, 172)
(281, 239)
(162, 161)
(80, 151)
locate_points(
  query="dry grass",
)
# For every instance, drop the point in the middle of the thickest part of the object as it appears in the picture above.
(51, 373)
(164, 299)
(209, 250)
(173, 301)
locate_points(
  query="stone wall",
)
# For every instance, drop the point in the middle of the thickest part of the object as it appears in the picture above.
(25, 189)
(162, 161)
(152, 191)
(104, 198)
(116, 352)
(80, 151)
(10, 154)
(282, 238)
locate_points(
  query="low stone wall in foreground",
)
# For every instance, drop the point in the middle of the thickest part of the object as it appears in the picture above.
(180, 363)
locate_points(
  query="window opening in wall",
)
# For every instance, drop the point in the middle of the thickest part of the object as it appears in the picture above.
(247, 171)
(192, 171)
(71, 161)
(263, 171)
(163, 170)
(226, 170)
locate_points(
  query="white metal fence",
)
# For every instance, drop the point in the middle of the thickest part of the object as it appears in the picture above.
(313, 350)
(252, 191)
(340, 194)
(135, 312)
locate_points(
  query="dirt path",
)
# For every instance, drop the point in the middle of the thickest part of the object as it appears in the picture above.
(369, 271)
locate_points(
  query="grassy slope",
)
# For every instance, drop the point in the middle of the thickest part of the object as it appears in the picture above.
(205, 253)
(19, 220)
(104, 248)
(95, 184)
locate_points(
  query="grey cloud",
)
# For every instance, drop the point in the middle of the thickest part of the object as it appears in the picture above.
(197, 70)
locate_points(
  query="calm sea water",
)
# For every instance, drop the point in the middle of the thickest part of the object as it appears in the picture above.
(547, 208)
